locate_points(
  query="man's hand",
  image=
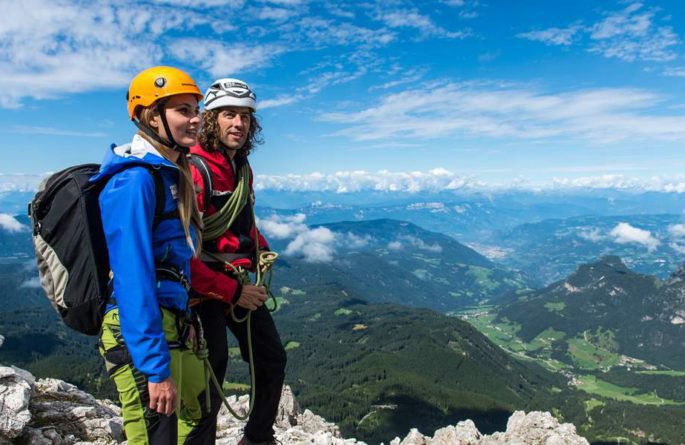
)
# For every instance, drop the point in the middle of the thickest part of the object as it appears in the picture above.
(163, 396)
(252, 297)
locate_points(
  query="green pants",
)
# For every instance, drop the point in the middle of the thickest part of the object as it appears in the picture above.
(142, 424)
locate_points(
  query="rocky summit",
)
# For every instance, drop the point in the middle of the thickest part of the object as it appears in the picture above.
(53, 412)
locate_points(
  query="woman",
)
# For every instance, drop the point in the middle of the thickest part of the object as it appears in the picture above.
(151, 223)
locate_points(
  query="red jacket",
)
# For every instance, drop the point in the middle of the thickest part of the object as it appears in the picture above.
(205, 280)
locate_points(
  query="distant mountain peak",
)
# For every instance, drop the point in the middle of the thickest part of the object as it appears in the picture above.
(604, 269)
(678, 275)
(613, 261)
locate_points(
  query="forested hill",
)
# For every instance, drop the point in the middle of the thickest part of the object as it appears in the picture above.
(395, 261)
(628, 313)
(376, 369)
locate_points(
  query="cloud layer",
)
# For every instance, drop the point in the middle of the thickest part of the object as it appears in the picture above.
(624, 233)
(436, 180)
(505, 111)
(631, 34)
(9, 224)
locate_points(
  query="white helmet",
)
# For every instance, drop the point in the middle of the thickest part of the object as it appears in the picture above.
(230, 92)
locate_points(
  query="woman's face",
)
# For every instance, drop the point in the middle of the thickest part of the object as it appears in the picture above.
(183, 118)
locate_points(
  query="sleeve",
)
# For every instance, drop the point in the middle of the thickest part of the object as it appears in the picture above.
(203, 279)
(127, 206)
(211, 283)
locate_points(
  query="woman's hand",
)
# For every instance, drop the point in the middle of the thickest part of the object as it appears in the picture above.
(163, 396)
(252, 297)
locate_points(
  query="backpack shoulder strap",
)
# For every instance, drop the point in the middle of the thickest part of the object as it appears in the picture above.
(201, 165)
(160, 198)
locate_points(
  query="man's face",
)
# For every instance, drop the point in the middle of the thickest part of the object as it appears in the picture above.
(234, 125)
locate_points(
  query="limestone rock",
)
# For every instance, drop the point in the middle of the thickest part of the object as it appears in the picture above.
(541, 428)
(53, 412)
(414, 438)
(464, 433)
(75, 413)
(15, 396)
(292, 426)
(536, 428)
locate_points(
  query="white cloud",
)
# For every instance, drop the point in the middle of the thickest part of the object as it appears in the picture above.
(19, 182)
(9, 224)
(677, 230)
(395, 245)
(413, 19)
(277, 14)
(50, 48)
(25, 129)
(33, 283)
(404, 76)
(591, 234)
(352, 241)
(355, 181)
(629, 35)
(220, 59)
(421, 244)
(675, 71)
(632, 34)
(316, 245)
(287, 2)
(553, 36)
(620, 182)
(624, 233)
(280, 101)
(280, 227)
(318, 31)
(605, 115)
(202, 3)
(680, 248)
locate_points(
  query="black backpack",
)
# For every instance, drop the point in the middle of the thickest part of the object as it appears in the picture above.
(69, 241)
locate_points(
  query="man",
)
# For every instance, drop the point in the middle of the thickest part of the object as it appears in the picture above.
(223, 180)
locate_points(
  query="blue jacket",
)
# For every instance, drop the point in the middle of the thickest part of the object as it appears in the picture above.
(127, 206)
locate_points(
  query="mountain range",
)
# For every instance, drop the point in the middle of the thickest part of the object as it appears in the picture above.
(394, 261)
(607, 336)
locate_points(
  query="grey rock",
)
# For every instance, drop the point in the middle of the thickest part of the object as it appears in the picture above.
(15, 396)
(53, 412)
(464, 433)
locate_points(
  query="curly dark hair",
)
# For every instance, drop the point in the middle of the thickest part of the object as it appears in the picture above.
(209, 135)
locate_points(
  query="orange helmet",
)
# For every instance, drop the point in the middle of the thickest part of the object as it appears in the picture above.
(156, 83)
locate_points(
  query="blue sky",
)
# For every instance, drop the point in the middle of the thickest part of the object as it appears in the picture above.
(453, 91)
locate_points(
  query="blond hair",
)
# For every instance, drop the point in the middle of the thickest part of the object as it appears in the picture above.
(187, 204)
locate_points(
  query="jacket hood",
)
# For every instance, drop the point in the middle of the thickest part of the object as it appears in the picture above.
(138, 152)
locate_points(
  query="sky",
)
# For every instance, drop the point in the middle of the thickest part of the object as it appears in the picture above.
(451, 92)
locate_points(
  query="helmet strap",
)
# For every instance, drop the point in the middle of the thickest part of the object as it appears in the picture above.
(161, 109)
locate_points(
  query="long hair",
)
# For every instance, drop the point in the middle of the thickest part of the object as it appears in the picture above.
(210, 134)
(187, 203)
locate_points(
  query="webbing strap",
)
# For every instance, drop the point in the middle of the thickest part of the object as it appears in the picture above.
(201, 165)
(221, 221)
